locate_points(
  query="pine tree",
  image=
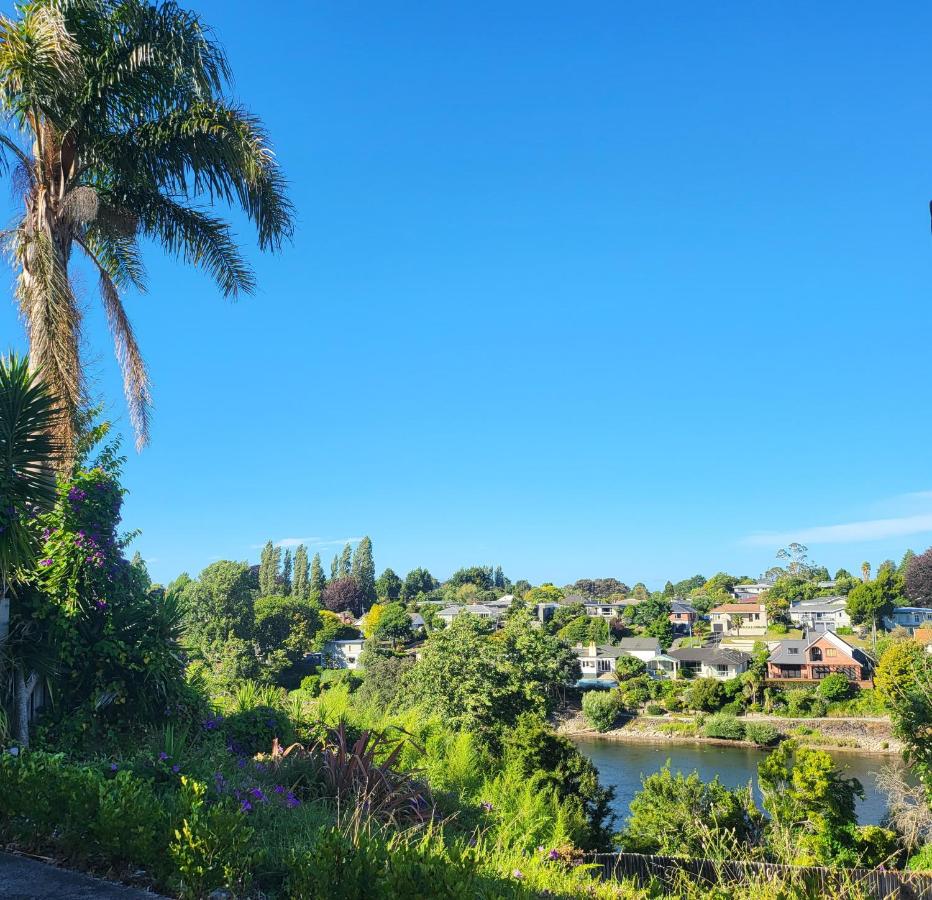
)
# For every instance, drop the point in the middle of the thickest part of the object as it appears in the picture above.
(498, 579)
(346, 562)
(318, 579)
(286, 574)
(364, 570)
(299, 586)
(268, 570)
(335, 568)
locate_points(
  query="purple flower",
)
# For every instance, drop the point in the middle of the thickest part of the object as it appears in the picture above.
(553, 855)
(487, 806)
(45, 562)
(101, 604)
(279, 789)
(113, 767)
(246, 806)
(517, 873)
(258, 794)
(176, 768)
(46, 534)
(242, 764)
(76, 495)
(291, 801)
(163, 756)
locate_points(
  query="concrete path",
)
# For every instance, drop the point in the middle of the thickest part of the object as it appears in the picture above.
(27, 879)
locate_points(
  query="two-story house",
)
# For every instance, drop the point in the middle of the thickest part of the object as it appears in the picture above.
(829, 613)
(739, 619)
(749, 592)
(683, 617)
(490, 612)
(816, 655)
(343, 654)
(908, 617)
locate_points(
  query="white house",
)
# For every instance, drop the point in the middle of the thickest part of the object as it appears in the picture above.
(642, 648)
(597, 662)
(741, 619)
(908, 617)
(821, 613)
(343, 654)
(710, 662)
(491, 612)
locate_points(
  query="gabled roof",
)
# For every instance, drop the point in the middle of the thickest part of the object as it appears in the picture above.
(783, 652)
(738, 608)
(680, 607)
(602, 651)
(476, 609)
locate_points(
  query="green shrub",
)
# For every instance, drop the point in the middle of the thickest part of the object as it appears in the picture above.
(214, 846)
(834, 687)
(723, 726)
(331, 678)
(705, 695)
(339, 868)
(252, 731)
(732, 709)
(799, 701)
(655, 709)
(310, 684)
(601, 708)
(761, 733)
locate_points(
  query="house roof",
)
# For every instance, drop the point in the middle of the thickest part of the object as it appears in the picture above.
(810, 606)
(711, 655)
(417, 620)
(603, 651)
(678, 607)
(476, 609)
(738, 608)
(631, 643)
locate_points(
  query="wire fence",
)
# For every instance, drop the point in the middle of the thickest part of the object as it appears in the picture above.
(882, 884)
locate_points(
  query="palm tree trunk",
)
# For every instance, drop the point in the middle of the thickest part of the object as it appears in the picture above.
(23, 690)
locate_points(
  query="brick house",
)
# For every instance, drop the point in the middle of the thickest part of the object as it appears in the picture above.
(818, 654)
(682, 617)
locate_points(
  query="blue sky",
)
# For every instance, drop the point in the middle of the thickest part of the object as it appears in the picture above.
(621, 290)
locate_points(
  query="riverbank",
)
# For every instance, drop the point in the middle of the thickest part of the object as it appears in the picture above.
(866, 735)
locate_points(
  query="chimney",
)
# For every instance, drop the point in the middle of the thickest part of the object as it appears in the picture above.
(592, 650)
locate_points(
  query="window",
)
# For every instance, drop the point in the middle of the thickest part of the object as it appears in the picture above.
(794, 650)
(721, 669)
(831, 651)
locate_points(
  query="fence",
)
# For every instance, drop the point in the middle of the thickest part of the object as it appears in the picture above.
(881, 884)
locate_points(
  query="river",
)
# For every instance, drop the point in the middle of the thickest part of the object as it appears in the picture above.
(622, 763)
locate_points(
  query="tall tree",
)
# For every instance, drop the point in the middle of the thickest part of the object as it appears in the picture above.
(27, 486)
(299, 587)
(498, 578)
(418, 581)
(388, 586)
(872, 600)
(335, 567)
(346, 562)
(286, 575)
(318, 579)
(122, 132)
(268, 569)
(364, 570)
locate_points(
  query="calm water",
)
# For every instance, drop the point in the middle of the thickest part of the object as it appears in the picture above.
(622, 764)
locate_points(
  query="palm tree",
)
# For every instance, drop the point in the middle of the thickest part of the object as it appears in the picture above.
(27, 420)
(119, 129)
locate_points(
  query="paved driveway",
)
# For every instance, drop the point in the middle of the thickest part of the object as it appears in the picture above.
(27, 879)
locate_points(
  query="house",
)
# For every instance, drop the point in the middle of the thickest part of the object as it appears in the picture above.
(607, 609)
(753, 591)
(816, 655)
(682, 616)
(642, 648)
(490, 612)
(710, 662)
(829, 613)
(908, 617)
(741, 619)
(344, 654)
(597, 661)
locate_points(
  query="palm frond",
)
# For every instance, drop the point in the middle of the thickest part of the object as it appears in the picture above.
(132, 365)
(194, 236)
(27, 453)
